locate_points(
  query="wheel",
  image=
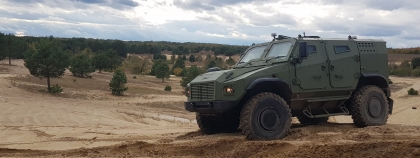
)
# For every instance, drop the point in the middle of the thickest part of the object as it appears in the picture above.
(311, 121)
(265, 116)
(369, 107)
(212, 123)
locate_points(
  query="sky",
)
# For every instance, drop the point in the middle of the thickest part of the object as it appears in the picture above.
(236, 22)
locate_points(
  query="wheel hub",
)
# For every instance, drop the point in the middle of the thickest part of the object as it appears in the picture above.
(375, 107)
(269, 119)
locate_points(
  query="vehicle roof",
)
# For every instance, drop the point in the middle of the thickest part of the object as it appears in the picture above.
(344, 39)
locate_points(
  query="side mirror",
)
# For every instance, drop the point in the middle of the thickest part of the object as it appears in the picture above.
(302, 50)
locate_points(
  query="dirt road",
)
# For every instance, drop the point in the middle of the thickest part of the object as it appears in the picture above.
(40, 124)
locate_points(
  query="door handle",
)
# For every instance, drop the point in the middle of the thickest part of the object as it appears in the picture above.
(339, 76)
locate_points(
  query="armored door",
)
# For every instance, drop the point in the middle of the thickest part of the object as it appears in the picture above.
(312, 72)
(343, 63)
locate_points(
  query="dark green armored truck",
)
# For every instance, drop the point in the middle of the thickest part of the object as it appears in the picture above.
(307, 77)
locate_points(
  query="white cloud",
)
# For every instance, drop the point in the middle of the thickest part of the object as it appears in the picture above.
(220, 21)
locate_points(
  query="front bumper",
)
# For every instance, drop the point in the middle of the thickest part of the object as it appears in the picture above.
(209, 106)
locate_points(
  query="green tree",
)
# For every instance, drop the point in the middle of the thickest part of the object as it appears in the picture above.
(106, 60)
(415, 62)
(2, 46)
(11, 47)
(179, 63)
(162, 71)
(81, 65)
(153, 70)
(100, 61)
(159, 56)
(190, 74)
(220, 63)
(46, 60)
(117, 84)
(120, 48)
(184, 57)
(211, 64)
(192, 58)
(172, 58)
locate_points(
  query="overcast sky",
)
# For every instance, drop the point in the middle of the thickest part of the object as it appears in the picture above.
(214, 21)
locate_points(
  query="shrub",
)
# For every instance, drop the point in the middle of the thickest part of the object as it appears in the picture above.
(56, 89)
(405, 64)
(117, 84)
(412, 91)
(415, 62)
(177, 71)
(416, 72)
(401, 72)
(134, 77)
(168, 88)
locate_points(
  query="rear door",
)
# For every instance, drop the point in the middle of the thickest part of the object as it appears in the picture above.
(343, 63)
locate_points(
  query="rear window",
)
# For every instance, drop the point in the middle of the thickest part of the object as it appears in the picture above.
(341, 49)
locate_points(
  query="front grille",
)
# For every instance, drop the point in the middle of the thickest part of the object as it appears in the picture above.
(203, 91)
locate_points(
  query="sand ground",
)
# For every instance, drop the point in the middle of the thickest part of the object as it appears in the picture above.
(38, 124)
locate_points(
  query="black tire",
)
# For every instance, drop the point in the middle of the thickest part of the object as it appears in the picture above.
(265, 116)
(209, 124)
(369, 107)
(304, 120)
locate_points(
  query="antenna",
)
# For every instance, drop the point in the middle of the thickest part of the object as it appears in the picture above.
(274, 36)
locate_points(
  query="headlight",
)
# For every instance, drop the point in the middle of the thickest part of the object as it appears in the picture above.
(229, 90)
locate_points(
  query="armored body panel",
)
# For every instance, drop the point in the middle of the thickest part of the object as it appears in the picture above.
(312, 78)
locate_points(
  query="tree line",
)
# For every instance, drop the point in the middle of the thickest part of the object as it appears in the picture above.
(13, 47)
(48, 57)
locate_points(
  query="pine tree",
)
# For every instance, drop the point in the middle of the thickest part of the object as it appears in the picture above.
(162, 71)
(46, 60)
(117, 84)
(81, 65)
(192, 58)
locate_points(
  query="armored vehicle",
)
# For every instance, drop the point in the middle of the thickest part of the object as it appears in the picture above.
(306, 77)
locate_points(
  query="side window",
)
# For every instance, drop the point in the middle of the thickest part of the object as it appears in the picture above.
(311, 49)
(341, 49)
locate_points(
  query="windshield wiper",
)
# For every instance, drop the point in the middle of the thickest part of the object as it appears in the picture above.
(275, 58)
(249, 62)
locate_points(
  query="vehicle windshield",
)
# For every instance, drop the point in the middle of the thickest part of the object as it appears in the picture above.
(254, 53)
(280, 50)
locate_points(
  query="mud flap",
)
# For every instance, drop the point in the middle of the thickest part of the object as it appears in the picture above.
(391, 105)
